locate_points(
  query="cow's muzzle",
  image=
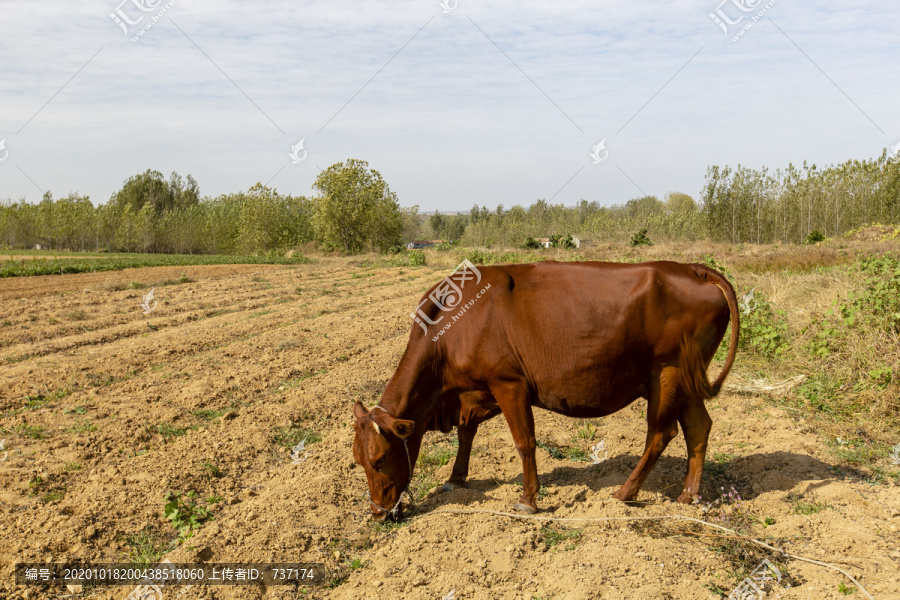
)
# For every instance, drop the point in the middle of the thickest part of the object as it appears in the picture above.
(388, 516)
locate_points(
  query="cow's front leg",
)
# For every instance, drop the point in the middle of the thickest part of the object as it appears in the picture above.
(513, 401)
(466, 434)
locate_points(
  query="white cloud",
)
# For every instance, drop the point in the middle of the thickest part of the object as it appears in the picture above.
(450, 121)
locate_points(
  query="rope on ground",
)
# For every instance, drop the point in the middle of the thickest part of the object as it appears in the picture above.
(651, 518)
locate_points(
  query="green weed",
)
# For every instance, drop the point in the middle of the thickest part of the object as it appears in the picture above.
(552, 535)
(799, 506)
(185, 513)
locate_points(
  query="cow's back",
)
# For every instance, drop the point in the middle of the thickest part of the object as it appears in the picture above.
(586, 337)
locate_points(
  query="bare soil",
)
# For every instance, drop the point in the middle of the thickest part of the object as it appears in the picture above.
(106, 409)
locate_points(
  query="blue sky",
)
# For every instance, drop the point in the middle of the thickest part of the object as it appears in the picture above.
(490, 103)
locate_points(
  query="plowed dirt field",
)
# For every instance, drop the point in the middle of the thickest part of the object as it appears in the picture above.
(106, 409)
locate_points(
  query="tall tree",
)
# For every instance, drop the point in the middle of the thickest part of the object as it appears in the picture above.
(356, 208)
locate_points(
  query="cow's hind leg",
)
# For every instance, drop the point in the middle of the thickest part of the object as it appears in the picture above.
(466, 434)
(662, 413)
(696, 424)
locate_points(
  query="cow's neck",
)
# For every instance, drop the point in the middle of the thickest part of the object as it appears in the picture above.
(413, 392)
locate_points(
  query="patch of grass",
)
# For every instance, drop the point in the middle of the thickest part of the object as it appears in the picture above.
(859, 452)
(435, 457)
(41, 400)
(119, 261)
(208, 414)
(389, 526)
(715, 589)
(799, 506)
(137, 285)
(145, 548)
(34, 484)
(357, 563)
(845, 589)
(169, 431)
(53, 496)
(214, 499)
(563, 453)
(288, 437)
(82, 426)
(76, 315)
(103, 380)
(72, 466)
(287, 345)
(76, 410)
(586, 430)
(552, 535)
(35, 432)
(212, 469)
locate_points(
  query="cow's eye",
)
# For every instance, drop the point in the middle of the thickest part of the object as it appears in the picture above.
(376, 464)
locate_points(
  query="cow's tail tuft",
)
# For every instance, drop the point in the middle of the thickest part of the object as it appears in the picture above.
(693, 371)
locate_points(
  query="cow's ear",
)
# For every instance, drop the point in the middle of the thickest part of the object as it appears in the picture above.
(359, 411)
(402, 428)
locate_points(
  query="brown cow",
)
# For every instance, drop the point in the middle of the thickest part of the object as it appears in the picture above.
(580, 339)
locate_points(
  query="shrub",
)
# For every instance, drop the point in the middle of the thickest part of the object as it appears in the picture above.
(815, 236)
(640, 239)
(763, 329)
(531, 243)
(411, 258)
(566, 243)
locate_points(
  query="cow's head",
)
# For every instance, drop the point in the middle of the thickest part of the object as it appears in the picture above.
(380, 447)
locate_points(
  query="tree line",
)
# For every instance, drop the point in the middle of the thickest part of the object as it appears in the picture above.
(355, 211)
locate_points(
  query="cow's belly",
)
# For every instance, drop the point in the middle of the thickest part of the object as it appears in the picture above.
(589, 399)
(591, 389)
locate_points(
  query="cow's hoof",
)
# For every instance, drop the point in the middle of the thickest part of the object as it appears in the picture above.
(623, 497)
(529, 510)
(687, 498)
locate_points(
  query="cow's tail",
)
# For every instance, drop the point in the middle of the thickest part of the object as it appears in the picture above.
(693, 370)
(693, 365)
